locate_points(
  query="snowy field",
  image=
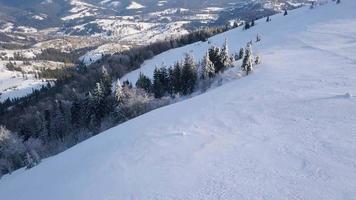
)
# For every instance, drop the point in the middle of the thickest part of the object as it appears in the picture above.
(13, 85)
(287, 131)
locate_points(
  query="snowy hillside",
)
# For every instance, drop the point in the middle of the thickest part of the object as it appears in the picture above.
(287, 131)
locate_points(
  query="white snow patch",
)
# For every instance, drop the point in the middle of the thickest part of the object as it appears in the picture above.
(134, 5)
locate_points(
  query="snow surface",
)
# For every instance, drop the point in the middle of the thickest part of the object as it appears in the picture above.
(285, 132)
(134, 5)
(13, 85)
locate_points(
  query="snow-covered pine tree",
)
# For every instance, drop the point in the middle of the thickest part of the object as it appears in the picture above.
(257, 60)
(214, 55)
(106, 82)
(225, 59)
(208, 68)
(258, 38)
(29, 161)
(98, 107)
(11, 150)
(32, 146)
(118, 92)
(247, 63)
(241, 53)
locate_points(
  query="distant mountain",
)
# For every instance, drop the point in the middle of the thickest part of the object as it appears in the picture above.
(51, 13)
(130, 21)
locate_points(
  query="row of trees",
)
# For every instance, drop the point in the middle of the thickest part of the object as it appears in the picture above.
(184, 77)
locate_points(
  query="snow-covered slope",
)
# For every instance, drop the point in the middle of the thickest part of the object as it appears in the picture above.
(285, 132)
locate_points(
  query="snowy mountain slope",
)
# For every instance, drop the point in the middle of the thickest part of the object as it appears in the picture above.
(285, 132)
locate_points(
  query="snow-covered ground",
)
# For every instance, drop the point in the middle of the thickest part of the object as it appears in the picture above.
(13, 85)
(287, 131)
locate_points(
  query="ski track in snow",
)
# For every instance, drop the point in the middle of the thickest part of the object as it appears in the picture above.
(287, 131)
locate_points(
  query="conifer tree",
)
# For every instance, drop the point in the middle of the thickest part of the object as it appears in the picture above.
(106, 82)
(158, 85)
(189, 75)
(285, 12)
(224, 57)
(164, 78)
(241, 53)
(258, 38)
(58, 126)
(170, 86)
(76, 113)
(257, 60)
(247, 63)
(214, 55)
(177, 75)
(119, 92)
(98, 106)
(208, 68)
(30, 162)
(247, 25)
(11, 150)
(144, 83)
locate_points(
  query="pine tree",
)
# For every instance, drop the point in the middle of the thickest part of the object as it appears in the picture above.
(285, 12)
(164, 79)
(58, 126)
(106, 82)
(158, 87)
(252, 23)
(247, 25)
(312, 5)
(30, 162)
(144, 83)
(76, 113)
(214, 55)
(11, 150)
(241, 53)
(189, 75)
(247, 63)
(258, 38)
(170, 86)
(257, 60)
(118, 92)
(224, 57)
(98, 106)
(177, 75)
(208, 68)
